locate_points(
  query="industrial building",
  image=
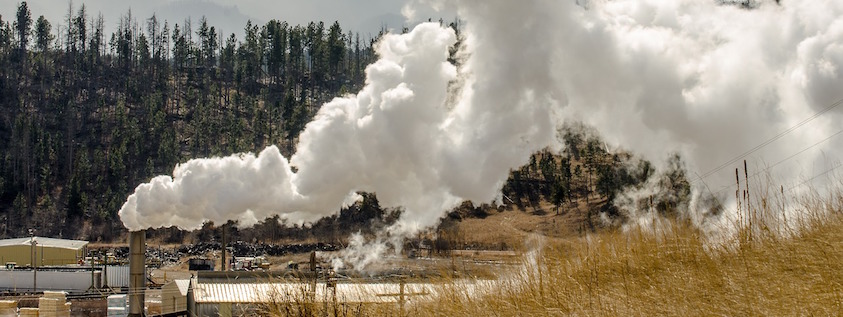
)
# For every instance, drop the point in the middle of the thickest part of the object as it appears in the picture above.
(57, 262)
(174, 296)
(245, 293)
(236, 293)
(44, 251)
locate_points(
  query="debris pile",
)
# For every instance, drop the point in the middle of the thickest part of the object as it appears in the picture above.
(168, 256)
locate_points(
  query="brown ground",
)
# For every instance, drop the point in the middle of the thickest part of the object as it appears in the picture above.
(509, 228)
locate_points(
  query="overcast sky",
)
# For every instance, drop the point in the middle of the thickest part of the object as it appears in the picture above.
(363, 16)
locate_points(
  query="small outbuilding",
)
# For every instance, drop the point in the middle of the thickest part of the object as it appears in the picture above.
(45, 251)
(174, 297)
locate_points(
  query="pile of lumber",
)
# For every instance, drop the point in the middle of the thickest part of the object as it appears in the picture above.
(53, 304)
(8, 308)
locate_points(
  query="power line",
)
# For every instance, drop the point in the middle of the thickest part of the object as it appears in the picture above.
(803, 150)
(786, 159)
(771, 140)
(838, 165)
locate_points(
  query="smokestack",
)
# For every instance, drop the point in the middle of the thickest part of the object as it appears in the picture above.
(137, 272)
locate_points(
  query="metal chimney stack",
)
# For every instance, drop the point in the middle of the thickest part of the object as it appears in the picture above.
(137, 272)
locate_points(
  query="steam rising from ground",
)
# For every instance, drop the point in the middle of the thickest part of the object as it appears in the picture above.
(700, 78)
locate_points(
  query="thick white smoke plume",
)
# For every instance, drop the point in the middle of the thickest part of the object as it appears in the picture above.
(398, 137)
(710, 80)
(705, 79)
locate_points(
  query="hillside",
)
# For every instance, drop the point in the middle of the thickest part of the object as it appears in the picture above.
(87, 116)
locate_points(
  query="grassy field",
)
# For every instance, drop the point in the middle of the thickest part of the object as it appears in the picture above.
(768, 270)
(677, 271)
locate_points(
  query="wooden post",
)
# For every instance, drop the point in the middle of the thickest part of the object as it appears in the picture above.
(401, 295)
(314, 274)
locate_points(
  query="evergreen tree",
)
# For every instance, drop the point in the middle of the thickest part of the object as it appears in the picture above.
(43, 37)
(23, 25)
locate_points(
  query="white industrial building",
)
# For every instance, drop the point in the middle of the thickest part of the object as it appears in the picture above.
(246, 293)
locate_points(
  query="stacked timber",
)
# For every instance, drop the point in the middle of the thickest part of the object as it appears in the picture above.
(28, 312)
(8, 308)
(54, 304)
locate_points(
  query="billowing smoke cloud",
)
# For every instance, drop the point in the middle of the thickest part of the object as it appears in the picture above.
(705, 79)
(709, 81)
(398, 137)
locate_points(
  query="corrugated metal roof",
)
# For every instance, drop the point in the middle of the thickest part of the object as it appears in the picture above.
(180, 286)
(291, 292)
(245, 292)
(46, 242)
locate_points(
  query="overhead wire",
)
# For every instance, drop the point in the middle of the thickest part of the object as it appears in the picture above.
(769, 141)
(767, 169)
(836, 166)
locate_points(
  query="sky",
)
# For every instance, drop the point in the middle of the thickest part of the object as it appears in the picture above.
(363, 16)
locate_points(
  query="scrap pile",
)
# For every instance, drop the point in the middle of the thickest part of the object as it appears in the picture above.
(240, 248)
(169, 256)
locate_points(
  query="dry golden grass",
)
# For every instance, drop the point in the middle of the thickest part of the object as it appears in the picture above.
(640, 274)
(678, 272)
(510, 227)
(675, 272)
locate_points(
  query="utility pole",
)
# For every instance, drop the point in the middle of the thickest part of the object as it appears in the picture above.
(34, 266)
(222, 264)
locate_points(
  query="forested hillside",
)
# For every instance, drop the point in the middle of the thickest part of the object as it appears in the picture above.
(85, 116)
